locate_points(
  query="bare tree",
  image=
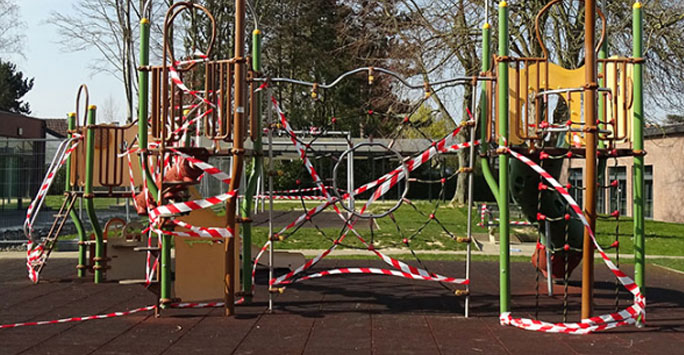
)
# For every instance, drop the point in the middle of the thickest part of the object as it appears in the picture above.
(109, 110)
(11, 27)
(111, 27)
(432, 40)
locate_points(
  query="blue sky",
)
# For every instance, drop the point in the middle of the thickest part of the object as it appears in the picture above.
(58, 73)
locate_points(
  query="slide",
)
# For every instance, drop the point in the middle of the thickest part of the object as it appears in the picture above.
(525, 192)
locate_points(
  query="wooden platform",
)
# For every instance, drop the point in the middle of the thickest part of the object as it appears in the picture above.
(339, 314)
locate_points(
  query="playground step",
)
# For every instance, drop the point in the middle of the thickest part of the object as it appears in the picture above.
(152, 249)
(136, 282)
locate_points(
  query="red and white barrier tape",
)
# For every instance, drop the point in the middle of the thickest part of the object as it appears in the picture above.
(385, 182)
(79, 319)
(175, 78)
(484, 211)
(180, 305)
(378, 271)
(291, 197)
(56, 164)
(172, 209)
(296, 191)
(206, 167)
(606, 321)
(35, 251)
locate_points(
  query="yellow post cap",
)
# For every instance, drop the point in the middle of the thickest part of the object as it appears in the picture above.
(92, 107)
(487, 26)
(71, 114)
(637, 5)
(503, 4)
(256, 31)
(144, 21)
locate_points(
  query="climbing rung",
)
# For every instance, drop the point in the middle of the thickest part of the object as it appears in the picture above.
(153, 249)
(136, 281)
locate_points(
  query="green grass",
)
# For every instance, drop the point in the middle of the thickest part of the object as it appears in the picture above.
(409, 220)
(661, 238)
(676, 264)
(101, 203)
(55, 202)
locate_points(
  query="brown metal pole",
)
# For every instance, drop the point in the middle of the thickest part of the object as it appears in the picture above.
(590, 170)
(238, 150)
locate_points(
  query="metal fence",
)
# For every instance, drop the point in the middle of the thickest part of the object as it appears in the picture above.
(23, 163)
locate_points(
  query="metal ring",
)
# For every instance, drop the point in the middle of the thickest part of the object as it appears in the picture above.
(370, 215)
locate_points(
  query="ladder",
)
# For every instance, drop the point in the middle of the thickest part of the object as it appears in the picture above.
(57, 224)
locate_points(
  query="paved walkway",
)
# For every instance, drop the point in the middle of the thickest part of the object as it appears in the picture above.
(344, 314)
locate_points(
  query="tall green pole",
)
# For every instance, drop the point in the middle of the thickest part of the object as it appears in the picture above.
(143, 97)
(486, 66)
(256, 169)
(88, 195)
(504, 248)
(638, 181)
(603, 54)
(71, 124)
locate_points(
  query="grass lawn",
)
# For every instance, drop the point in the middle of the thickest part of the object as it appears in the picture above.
(386, 235)
(661, 238)
(55, 202)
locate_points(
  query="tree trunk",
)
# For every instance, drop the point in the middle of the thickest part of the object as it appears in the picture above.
(459, 198)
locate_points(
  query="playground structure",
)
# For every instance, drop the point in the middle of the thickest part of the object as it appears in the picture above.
(161, 163)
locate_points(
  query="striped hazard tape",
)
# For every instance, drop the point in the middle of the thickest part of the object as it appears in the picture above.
(598, 323)
(384, 184)
(179, 305)
(378, 271)
(79, 319)
(35, 255)
(292, 197)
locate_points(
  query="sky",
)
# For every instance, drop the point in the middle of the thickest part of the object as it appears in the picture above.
(58, 73)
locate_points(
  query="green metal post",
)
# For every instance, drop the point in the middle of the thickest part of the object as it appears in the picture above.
(486, 66)
(143, 97)
(71, 122)
(502, 84)
(254, 174)
(88, 195)
(603, 54)
(638, 181)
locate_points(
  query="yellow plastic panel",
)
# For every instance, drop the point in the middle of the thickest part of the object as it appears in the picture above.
(534, 78)
(624, 97)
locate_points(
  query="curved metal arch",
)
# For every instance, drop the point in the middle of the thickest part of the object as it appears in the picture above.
(401, 79)
(171, 15)
(83, 88)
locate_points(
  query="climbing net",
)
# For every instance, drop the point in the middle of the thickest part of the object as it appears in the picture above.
(568, 254)
(429, 158)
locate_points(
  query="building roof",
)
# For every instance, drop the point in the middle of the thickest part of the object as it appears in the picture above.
(661, 131)
(15, 125)
(56, 126)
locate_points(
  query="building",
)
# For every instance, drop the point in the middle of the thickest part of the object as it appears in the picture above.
(27, 145)
(663, 177)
